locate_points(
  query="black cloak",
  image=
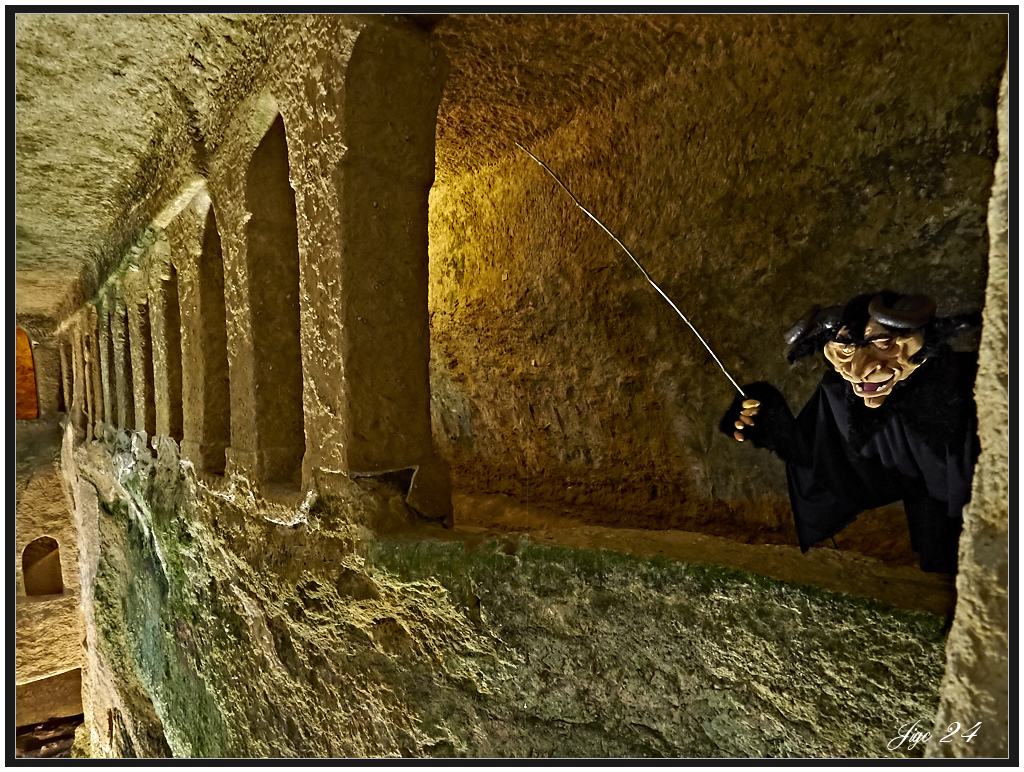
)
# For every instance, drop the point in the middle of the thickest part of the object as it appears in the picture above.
(842, 457)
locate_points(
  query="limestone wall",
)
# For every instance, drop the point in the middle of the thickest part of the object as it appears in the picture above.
(255, 396)
(975, 686)
(248, 339)
(766, 166)
(248, 323)
(49, 626)
(219, 632)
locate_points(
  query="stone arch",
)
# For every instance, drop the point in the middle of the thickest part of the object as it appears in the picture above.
(124, 380)
(91, 374)
(172, 334)
(216, 402)
(205, 386)
(272, 266)
(66, 375)
(26, 397)
(61, 406)
(40, 564)
(108, 374)
(79, 392)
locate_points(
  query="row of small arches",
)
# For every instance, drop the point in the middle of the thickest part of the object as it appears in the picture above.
(273, 274)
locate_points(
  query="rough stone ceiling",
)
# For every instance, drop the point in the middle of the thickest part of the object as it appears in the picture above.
(96, 93)
(86, 110)
(516, 77)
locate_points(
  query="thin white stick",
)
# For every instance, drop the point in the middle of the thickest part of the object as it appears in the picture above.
(637, 263)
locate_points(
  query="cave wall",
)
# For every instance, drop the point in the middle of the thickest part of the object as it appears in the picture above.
(771, 164)
(976, 682)
(48, 616)
(224, 619)
(219, 632)
(49, 625)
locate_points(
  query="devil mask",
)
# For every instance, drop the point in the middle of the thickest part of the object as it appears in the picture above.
(875, 342)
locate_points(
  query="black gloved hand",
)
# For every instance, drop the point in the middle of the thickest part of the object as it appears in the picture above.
(764, 419)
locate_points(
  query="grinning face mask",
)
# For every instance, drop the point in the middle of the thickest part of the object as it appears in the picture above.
(875, 362)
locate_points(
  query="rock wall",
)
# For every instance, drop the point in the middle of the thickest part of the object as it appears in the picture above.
(219, 632)
(49, 627)
(232, 611)
(975, 687)
(768, 165)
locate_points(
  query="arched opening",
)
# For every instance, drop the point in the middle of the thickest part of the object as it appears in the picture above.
(26, 398)
(108, 372)
(93, 403)
(144, 381)
(66, 377)
(40, 564)
(172, 327)
(123, 367)
(61, 405)
(216, 406)
(82, 390)
(273, 270)
(79, 384)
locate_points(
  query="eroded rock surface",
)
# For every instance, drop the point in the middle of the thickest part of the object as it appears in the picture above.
(755, 164)
(255, 639)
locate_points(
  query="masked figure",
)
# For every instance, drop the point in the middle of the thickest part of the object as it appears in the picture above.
(892, 420)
